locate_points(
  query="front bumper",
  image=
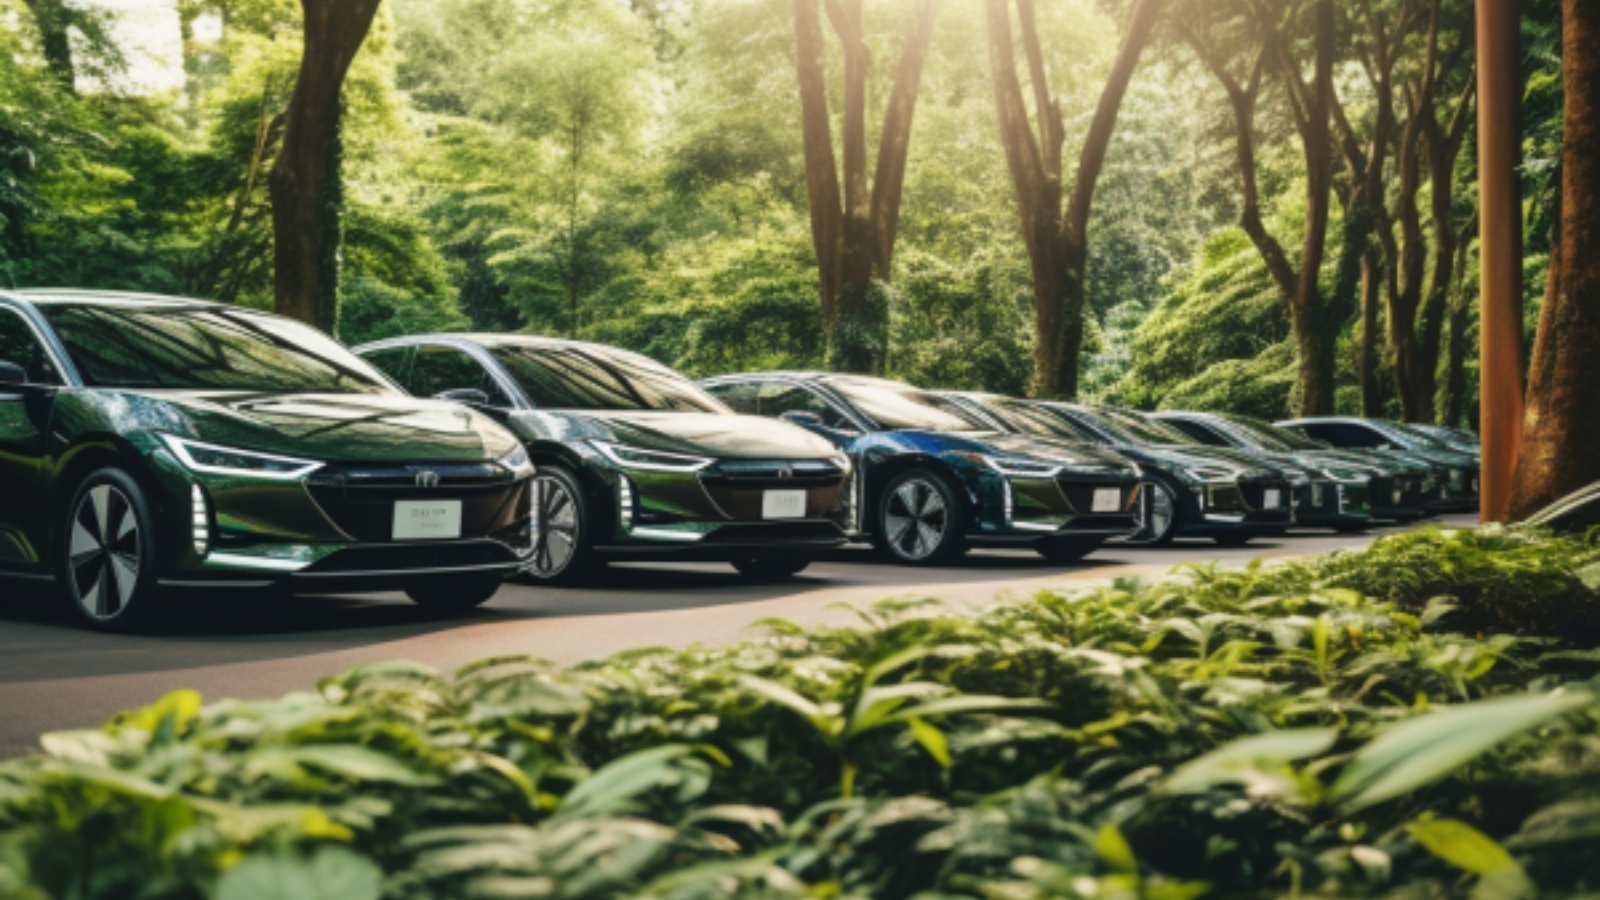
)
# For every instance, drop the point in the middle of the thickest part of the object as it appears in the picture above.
(333, 531)
(1327, 504)
(725, 511)
(1255, 507)
(1019, 510)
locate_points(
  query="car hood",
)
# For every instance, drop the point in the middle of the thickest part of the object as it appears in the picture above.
(1065, 453)
(704, 434)
(1437, 458)
(1169, 458)
(329, 427)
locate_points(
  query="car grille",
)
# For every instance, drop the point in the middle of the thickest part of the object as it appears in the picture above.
(1081, 496)
(738, 486)
(469, 555)
(359, 500)
(1254, 494)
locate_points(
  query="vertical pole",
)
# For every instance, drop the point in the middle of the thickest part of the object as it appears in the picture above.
(1499, 156)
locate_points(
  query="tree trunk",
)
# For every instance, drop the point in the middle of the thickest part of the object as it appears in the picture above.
(1057, 240)
(1500, 246)
(1367, 362)
(854, 234)
(1561, 431)
(54, 20)
(307, 193)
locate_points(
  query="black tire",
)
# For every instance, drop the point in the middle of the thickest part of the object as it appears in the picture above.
(563, 530)
(1066, 550)
(107, 553)
(919, 520)
(455, 594)
(771, 568)
(1158, 533)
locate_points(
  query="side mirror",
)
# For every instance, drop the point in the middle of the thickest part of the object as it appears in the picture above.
(470, 396)
(802, 418)
(11, 373)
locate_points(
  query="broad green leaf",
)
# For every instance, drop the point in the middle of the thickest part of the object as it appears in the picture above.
(932, 740)
(1114, 850)
(875, 704)
(1419, 751)
(330, 873)
(350, 760)
(1238, 760)
(1467, 848)
(894, 661)
(781, 695)
(966, 703)
(164, 719)
(620, 781)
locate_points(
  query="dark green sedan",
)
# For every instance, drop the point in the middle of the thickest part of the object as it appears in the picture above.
(635, 461)
(150, 444)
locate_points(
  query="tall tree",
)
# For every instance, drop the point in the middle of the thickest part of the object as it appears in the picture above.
(1427, 154)
(1560, 428)
(1317, 319)
(854, 232)
(1057, 239)
(307, 196)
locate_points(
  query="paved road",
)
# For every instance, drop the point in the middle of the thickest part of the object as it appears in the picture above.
(55, 676)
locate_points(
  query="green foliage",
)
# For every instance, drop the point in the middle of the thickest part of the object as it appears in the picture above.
(1265, 731)
(963, 327)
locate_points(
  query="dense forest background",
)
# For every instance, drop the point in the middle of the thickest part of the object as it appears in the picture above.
(633, 173)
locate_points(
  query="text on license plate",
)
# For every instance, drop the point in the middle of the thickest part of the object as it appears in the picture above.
(1107, 500)
(783, 505)
(1272, 500)
(427, 520)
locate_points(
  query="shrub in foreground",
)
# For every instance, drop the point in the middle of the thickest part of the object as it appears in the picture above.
(1316, 728)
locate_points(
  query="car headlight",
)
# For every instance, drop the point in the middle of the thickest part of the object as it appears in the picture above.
(517, 462)
(1013, 467)
(1209, 475)
(652, 460)
(215, 460)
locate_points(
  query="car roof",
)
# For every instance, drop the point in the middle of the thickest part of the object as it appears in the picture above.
(78, 297)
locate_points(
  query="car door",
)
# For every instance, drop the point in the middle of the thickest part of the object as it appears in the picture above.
(26, 404)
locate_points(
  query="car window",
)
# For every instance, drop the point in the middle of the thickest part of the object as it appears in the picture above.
(593, 378)
(187, 346)
(20, 346)
(1025, 417)
(1200, 431)
(1352, 435)
(391, 362)
(897, 407)
(740, 396)
(437, 369)
(777, 398)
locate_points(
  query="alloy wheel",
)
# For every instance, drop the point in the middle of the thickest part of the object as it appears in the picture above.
(1163, 515)
(104, 552)
(916, 520)
(555, 527)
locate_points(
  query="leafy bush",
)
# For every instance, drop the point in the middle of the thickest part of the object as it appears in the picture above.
(1306, 728)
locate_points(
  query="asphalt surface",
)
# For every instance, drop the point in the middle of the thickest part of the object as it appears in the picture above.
(55, 676)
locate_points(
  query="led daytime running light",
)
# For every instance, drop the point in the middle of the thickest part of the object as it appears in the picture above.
(651, 460)
(212, 459)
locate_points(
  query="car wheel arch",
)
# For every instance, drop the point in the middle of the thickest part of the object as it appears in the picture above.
(551, 453)
(90, 454)
(878, 480)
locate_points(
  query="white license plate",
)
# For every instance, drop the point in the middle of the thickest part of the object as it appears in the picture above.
(783, 505)
(1272, 500)
(1107, 500)
(1316, 495)
(427, 520)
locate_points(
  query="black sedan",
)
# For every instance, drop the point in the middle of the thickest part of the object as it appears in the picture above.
(1363, 487)
(933, 481)
(1194, 491)
(635, 461)
(150, 444)
(1455, 471)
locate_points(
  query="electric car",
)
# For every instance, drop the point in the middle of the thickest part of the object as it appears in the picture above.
(1193, 491)
(1363, 488)
(150, 444)
(932, 482)
(1455, 472)
(635, 461)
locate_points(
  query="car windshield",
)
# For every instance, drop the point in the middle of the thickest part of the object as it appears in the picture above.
(1026, 418)
(899, 407)
(1133, 428)
(1271, 436)
(193, 347)
(1408, 438)
(588, 378)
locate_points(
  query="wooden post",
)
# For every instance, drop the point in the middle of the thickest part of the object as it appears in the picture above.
(1499, 154)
